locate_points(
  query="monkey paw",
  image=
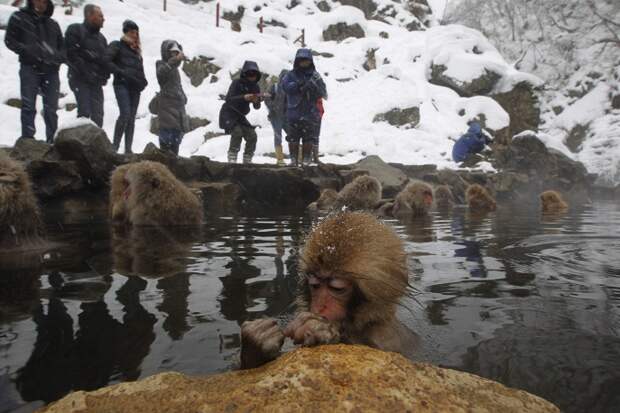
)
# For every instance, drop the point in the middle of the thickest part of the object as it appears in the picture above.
(261, 341)
(309, 329)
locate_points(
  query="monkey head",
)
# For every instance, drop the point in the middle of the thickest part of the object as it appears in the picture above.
(479, 199)
(415, 199)
(443, 196)
(353, 270)
(552, 201)
(327, 199)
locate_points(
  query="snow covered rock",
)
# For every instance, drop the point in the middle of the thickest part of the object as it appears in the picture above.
(369, 7)
(409, 117)
(521, 104)
(341, 31)
(200, 68)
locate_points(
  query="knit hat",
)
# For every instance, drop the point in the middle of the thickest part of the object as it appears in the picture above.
(129, 25)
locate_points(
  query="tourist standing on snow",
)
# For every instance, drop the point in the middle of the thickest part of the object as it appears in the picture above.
(303, 86)
(276, 104)
(173, 120)
(472, 142)
(241, 93)
(88, 73)
(33, 35)
(124, 59)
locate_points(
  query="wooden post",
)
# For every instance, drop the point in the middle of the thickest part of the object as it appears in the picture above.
(260, 24)
(217, 15)
(301, 39)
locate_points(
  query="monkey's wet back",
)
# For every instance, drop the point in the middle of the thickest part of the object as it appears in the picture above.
(528, 300)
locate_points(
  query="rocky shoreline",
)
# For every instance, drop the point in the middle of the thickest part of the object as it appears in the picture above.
(82, 158)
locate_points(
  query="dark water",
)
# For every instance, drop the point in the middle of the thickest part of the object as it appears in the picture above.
(530, 301)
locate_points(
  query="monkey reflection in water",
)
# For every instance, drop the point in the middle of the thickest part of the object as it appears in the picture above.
(353, 273)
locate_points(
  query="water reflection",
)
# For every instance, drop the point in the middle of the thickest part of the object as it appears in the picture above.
(526, 299)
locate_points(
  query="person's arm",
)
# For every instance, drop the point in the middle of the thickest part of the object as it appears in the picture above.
(290, 84)
(60, 41)
(317, 85)
(13, 36)
(234, 93)
(111, 53)
(75, 60)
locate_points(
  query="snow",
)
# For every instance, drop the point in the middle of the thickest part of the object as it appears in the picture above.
(356, 96)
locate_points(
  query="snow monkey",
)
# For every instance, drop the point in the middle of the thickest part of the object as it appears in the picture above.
(552, 201)
(20, 220)
(443, 197)
(325, 202)
(353, 273)
(415, 200)
(479, 199)
(149, 194)
(363, 193)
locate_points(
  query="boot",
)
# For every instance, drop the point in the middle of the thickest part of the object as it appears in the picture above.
(247, 158)
(315, 154)
(279, 155)
(293, 149)
(232, 157)
(128, 142)
(307, 154)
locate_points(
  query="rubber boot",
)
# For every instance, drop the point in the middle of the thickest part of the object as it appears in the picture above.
(279, 155)
(293, 149)
(315, 154)
(232, 157)
(306, 154)
(247, 158)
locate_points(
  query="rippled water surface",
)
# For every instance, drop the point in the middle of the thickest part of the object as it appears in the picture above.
(531, 301)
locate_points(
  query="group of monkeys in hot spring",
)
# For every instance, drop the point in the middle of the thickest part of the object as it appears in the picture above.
(353, 267)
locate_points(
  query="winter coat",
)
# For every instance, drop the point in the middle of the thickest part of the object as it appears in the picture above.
(303, 88)
(472, 142)
(36, 39)
(172, 99)
(276, 103)
(86, 48)
(235, 107)
(126, 64)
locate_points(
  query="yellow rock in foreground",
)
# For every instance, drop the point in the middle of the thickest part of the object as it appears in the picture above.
(321, 379)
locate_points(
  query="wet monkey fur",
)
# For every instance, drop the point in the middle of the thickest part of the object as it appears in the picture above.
(479, 199)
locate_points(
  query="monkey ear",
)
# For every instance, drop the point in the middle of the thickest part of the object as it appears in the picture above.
(155, 182)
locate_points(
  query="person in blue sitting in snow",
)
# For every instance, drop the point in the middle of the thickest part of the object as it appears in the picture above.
(472, 142)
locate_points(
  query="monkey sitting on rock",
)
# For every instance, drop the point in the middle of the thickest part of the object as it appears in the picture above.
(147, 193)
(479, 199)
(552, 201)
(353, 273)
(20, 219)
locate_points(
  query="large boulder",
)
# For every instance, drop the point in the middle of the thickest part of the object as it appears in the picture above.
(199, 68)
(369, 7)
(326, 378)
(480, 85)
(392, 179)
(409, 117)
(341, 31)
(27, 149)
(88, 146)
(521, 103)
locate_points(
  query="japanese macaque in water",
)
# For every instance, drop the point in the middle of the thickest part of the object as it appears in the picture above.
(552, 201)
(443, 197)
(325, 202)
(415, 200)
(479, 199)
(353, 273)
(147, 193)
(20, 220)
(363, 193)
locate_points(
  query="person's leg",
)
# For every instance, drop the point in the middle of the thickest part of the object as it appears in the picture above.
(236, 134)
(177, 138)
(250, 143)
(81, 90)
(131, 122)
(124, 107)
(29, 85)
(96, 105)
(165, 139)
(50, 89)
(293, 137)
(276, 123)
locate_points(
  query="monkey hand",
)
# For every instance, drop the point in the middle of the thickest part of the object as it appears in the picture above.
(261, 341)
(309, 329)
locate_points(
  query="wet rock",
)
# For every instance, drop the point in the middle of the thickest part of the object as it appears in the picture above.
(482, 85)
(521, 103)
(510, 185)
(392, 179)
(409, 117)
(27, 149)
(88, 146)
(185, 169)
(14, 102)
(457, 183)
(369, 7)
(326, 378)
(342, 31)
(200, 68)
(220, 196)
(371, 60)
(576, 136)
(51, 179)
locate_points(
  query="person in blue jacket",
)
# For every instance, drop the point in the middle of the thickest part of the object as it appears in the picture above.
(472, 142)
(303, 86)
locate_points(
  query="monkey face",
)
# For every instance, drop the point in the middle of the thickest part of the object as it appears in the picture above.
(330, 296)
(427, 197)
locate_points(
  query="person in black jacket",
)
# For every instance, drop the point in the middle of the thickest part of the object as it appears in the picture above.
(124, 59)
(37, 39)
(88, 72)
(241, 93)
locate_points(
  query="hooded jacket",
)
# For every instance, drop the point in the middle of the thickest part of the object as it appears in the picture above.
(235, 107)
(126, 64)
(86, 48)
(172, 99)
(472, 142)
(303, 87)
(277, 101)
(36, 39)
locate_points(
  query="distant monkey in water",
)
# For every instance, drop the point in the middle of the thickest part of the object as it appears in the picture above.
(479, 199)
(147, 193)
(325, 202)
(363, 193)
(552, 201)
(443, 197)
(415, 200)
(353, 273)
